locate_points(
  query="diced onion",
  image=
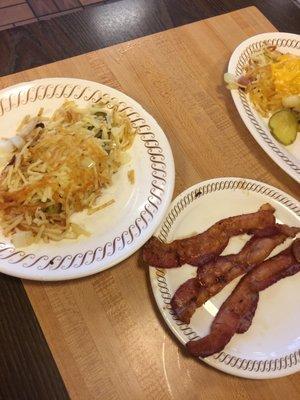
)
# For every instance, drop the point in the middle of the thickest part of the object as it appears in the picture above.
(291, 102)
(6, 146)
(229, 78)
(26, 129)
(22, 239)
(87, 162)
(17, 141)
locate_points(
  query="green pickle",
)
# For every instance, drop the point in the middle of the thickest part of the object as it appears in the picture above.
(284, 126)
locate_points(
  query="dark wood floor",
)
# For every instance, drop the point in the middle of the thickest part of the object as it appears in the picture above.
(116, 21)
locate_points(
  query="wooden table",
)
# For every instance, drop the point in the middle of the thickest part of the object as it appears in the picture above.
(105, 334)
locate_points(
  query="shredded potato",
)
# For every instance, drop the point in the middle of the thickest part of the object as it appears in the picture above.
(61, 167)
(101, 206)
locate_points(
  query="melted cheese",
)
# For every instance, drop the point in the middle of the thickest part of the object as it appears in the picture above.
(286, 74)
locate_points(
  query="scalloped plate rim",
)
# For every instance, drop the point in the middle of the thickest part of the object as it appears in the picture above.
(86, 270)
(176, 329)
(239, 106)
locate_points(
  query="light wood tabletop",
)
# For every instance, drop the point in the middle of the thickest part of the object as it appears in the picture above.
(104, 331)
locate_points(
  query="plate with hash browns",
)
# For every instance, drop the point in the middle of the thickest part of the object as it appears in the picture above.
(86, 177)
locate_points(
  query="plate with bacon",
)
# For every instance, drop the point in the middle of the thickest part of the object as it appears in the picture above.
(224, 269)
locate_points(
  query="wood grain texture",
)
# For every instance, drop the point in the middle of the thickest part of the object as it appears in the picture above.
(104, 331)
(27, 368)
(116, 21)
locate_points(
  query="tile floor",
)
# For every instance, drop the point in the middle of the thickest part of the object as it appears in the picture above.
(21, 12)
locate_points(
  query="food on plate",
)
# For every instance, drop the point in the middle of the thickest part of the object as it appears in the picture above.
(215, 275)
(100, 207)
(59, 165)
(272, 81)
(284, 126)
(204, 247)
(131, 176)
(237, 312)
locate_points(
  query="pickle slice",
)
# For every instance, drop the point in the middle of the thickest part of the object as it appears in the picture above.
(284, 126)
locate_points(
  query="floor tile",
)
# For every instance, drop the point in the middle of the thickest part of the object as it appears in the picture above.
(3, 27)
(67, 4)
(43, 7)
(16, 13)
(46, 17)
(20, 12)
(27, 21)
(7, 3)
(88, 2)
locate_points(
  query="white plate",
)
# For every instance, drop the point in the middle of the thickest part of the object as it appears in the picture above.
(287, 157)
(271, 347)
(122, 228)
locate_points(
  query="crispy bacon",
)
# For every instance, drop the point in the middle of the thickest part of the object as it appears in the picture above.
(215, 275)
(236, 313)
(204, 247)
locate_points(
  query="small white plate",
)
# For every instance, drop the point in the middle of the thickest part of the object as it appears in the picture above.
(116, 231)
(287, 157)
(271, 347)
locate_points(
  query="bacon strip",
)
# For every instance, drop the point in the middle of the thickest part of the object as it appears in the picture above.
(236, 313)
(214, 276)
(200, 249)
